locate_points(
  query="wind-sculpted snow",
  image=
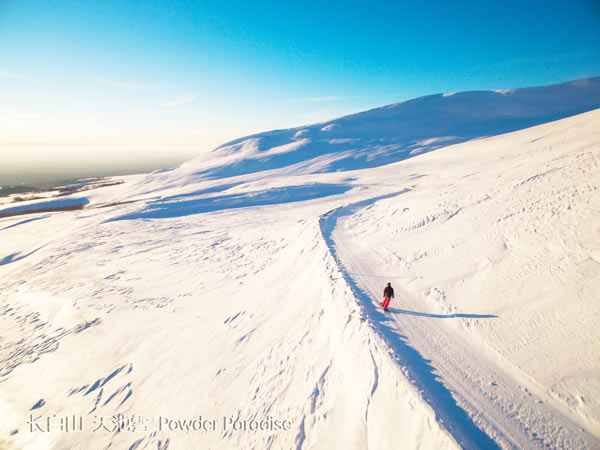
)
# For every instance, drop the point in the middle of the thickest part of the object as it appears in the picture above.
(399, 131)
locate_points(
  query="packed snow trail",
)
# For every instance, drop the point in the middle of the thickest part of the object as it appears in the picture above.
(418, 369)
(464, 399)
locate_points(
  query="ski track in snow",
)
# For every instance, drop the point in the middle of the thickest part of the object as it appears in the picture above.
(426, 349)
(418, 368)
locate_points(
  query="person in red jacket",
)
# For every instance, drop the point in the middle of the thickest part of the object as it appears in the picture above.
(388, 294)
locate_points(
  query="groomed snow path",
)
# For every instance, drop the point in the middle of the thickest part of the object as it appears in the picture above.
(495, 264)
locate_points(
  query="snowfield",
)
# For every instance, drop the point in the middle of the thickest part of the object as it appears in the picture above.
(233, 302)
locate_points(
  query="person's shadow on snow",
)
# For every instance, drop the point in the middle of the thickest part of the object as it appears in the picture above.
(442, 316)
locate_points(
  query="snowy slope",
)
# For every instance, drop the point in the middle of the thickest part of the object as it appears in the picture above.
(188, 293)
(216, 315)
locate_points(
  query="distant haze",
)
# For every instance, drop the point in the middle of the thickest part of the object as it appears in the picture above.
(42, 166)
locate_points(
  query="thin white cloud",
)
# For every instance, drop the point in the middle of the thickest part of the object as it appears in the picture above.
(181, 100)
(320, 99)
(124, 84)
(7, 74)
(133, 85)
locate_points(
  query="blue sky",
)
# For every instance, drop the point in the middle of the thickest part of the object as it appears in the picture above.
(113, 79)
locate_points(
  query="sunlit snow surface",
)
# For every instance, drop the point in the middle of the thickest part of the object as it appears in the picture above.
(246, 285)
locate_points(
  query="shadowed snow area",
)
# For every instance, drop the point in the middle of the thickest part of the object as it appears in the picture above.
(46, 205)
(174, 207)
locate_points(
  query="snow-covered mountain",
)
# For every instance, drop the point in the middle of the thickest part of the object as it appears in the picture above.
(395, 132)
(241, 290)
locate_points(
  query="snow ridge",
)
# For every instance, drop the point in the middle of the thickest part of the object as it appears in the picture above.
(398, 131)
